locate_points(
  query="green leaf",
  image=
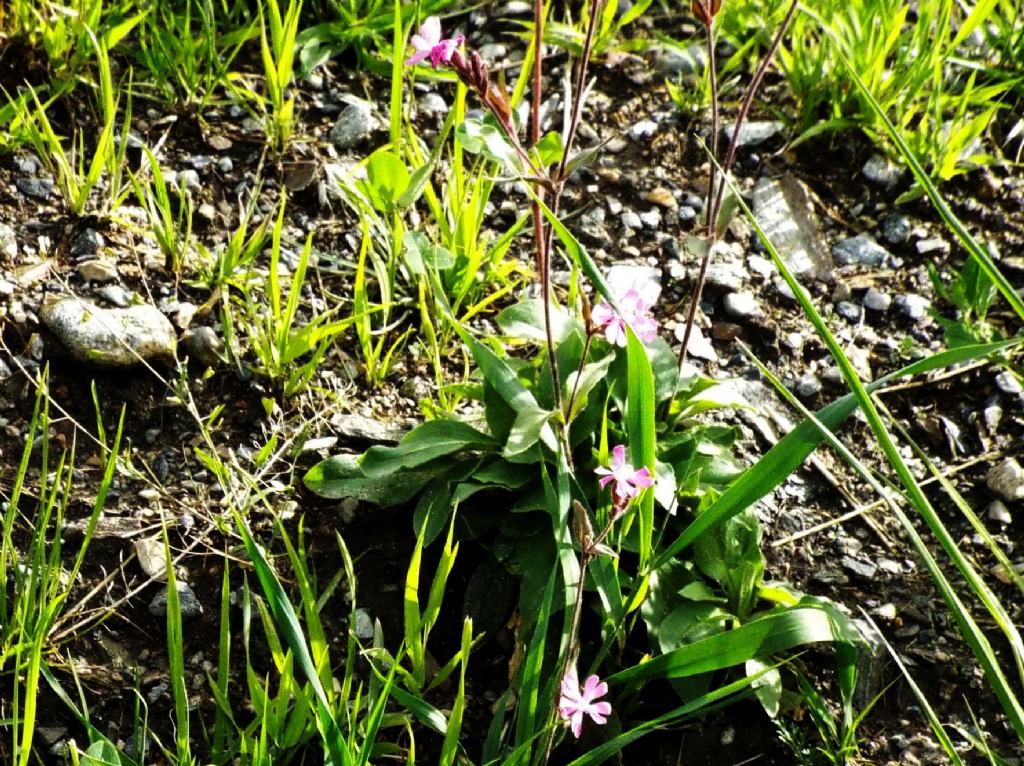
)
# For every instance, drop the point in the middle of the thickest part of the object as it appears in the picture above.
(526, 320)
(526, 431)
(387, 179)
(101, 753)
(640, 427)
(341, 476)
(550, 148)
(775, 632)
(433, 439)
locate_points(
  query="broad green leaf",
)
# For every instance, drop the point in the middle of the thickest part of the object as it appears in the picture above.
(101, 753)
(550, 149)
(341, 476)
(526, 320)
(526, 431)
(387, 179)
(433, 439)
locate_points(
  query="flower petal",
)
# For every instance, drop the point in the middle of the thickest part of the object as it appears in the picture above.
(593, 688)
(416, 58)
(618, 457)
(576, 723)
(431, 30)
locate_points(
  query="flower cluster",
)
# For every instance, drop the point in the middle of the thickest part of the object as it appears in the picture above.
(575, 702)
(429, 44)
(636, 313)
(628, 481)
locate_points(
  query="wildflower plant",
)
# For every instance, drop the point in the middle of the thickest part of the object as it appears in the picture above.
(540, 448)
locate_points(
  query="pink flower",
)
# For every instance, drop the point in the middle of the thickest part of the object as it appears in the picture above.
(628, 482)
(574, 702)
(429, 44)
(636, 313)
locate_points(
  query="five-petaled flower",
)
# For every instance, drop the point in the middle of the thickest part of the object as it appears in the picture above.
(628, 482)
(636, 314)
(429, 44)
(575, 702)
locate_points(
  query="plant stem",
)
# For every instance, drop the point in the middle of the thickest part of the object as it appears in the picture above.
(712, 213)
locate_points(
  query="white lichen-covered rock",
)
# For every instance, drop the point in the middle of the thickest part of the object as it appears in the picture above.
(1006, 479)
(121, 337)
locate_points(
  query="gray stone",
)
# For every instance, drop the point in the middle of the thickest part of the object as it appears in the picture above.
(39, 188)
(849, 311)
(1006, 479)
(913, 305)
(760, 265)
(363, 625)
(98, 270)
(698, 346)
(754, 132)
(651, 219)
(686, 214)
(354, 125)
(783, 289)
(203, 345)
(784, 210)
(630, 220)
(225, 165)
(881, 171)
(364, 429)
(726, 275)
(674, 60)
(861, 250)
(992, 413)
(646, 280)
(643, 130)
(1008, 383)
(999, 513)
(189, 178)
(110, 337)
(7, 288)
(876, 300)
(896, 229)
(808, 386)
(864, 569)
(88, 242)
(694, 200)
(932, 245)
(8, 241)
(187, 600)
(833, 376)
(433, 104)
(741, 305)
(116, 295)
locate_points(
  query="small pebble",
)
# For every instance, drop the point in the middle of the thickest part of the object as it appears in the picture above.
(643, 130)
(876, 300)
(896, 229)
(630, 220)
(849, 311)
(1006, 479)
(999, 513)
(741, 305)
(881, 171)
(913, 305)
(1009, 383)
(187, 600)
(808, 386)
